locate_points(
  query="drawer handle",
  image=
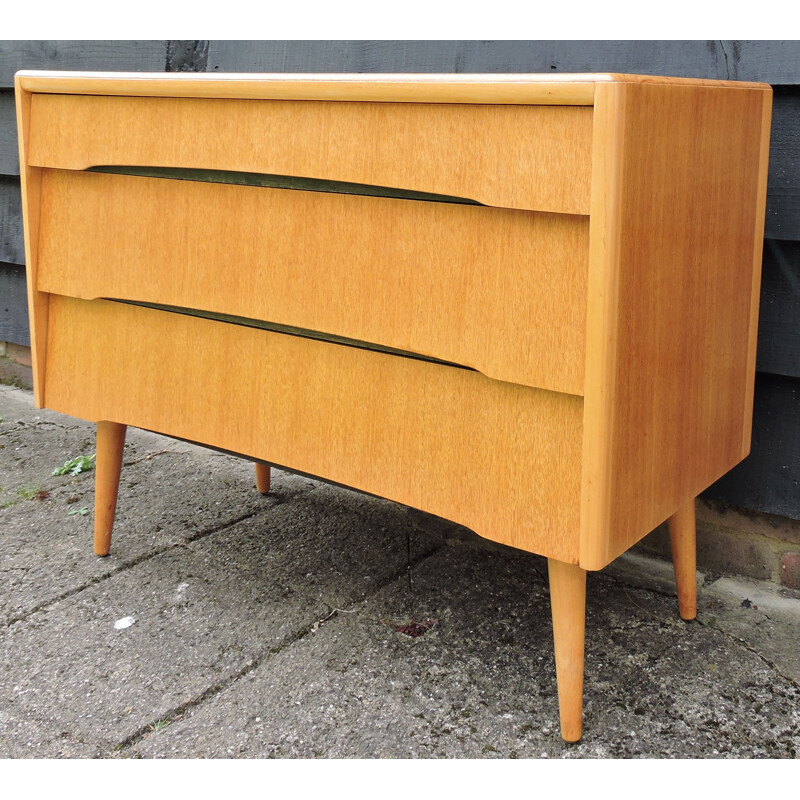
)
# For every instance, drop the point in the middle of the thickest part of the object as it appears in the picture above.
(290, 330)
(279, 182)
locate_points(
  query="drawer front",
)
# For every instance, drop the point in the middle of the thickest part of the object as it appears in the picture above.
(501, 459)
(499, 290)
(527, 157)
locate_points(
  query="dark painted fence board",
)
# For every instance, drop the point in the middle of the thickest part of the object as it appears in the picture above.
(13, 305)
(12, 244)
(779, 317)
(783, 214)
(186, 56)
(9, 154)
(769, 478)
(773, 62)
(119, 56)
(783, 189)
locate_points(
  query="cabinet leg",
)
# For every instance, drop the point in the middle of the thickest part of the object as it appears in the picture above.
(568, 603)
(262, 477)
(684, 558)
(110, 441)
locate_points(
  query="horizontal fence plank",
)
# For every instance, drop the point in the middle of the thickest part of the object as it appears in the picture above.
(768, 479)
(774, 62)
(13, 305)
(779, 317)
(783, 214)
(9, 153)
(12, 244)
(128, 55)
(783, 187)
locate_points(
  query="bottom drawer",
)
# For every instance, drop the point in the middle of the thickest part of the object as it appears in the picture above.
(501, 459)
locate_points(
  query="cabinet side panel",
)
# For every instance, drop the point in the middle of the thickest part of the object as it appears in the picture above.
(684, 228)
(758, 250)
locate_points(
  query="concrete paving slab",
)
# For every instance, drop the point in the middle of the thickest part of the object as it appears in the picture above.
(46, 552)
(108, 663)
(763, 617)
(25, 738)
(481, 681)
(170, 492)
(33, 442)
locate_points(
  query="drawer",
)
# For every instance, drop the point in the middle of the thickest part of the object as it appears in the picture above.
(499, 290)
(513, 156)
(502, 459)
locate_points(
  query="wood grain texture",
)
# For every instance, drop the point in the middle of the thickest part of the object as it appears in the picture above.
(568, 606)
(773, 62)
(499, 290)
(683, 540)
(38, 302)
(506, 89)
(512, 156)
(760, 198)
(674, 226)
(263, 474)
(501, 459)
(110, 445)
(601, 323)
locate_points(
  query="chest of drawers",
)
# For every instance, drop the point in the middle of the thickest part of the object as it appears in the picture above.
(524, 303)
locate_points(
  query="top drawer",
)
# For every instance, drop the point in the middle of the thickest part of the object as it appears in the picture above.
(513, 156)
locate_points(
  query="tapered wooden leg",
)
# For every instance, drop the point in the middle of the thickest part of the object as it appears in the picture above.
(568, 603)
(684, 558)
(262, 477)
(110, 442)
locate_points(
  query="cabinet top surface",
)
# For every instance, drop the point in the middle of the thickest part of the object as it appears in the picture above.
(561, 88)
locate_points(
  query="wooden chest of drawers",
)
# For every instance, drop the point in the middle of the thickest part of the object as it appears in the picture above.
(524, 303)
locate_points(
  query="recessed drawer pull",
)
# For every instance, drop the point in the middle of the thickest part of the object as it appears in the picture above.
(291, 330)
(279, 182)
(499, 290)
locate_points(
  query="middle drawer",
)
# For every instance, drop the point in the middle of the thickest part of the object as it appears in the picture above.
(502, 291)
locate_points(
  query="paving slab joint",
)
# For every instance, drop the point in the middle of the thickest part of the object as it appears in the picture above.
(288, 641)
(125, 565)
(179, 711)
(749, 648)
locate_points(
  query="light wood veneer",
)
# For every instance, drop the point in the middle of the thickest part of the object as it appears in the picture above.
(513, 156)
(561, 368)
(454, 282)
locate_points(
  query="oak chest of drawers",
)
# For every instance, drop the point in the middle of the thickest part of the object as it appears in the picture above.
(524, 303)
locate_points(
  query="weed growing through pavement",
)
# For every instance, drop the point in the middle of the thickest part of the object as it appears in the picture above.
(75, 466)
